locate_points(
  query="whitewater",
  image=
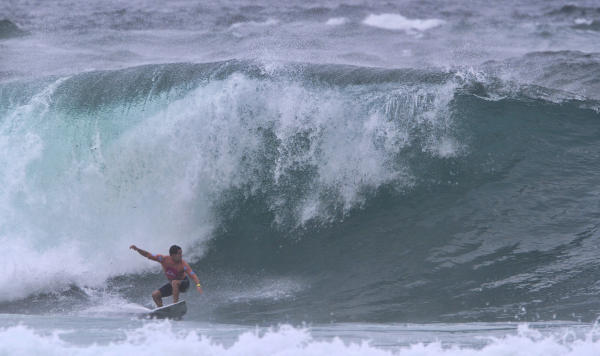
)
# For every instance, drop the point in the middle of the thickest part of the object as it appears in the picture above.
(345, 177)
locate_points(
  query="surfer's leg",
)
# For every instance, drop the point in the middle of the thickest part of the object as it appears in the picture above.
(157, 298)
(175, 285)
(184, 285)
(160, 293)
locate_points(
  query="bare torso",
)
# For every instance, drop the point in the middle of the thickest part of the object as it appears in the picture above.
(173, 270)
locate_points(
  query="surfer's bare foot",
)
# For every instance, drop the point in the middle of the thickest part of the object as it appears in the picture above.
(157, 298)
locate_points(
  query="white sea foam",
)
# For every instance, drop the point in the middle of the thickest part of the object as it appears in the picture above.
(399, 22)
(582, 21)
(160, 338)
(267, 22)
(336, 21)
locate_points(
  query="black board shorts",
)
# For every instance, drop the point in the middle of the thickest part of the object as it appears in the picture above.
(167, 289)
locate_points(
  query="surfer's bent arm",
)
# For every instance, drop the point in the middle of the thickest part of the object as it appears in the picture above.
(146, 254)
(189, 272)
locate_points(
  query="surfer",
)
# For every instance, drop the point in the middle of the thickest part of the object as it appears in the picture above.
(175, 269)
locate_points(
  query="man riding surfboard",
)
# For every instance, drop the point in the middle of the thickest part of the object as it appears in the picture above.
(175, 269)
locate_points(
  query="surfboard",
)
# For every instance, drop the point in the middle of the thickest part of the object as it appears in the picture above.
(171, 311)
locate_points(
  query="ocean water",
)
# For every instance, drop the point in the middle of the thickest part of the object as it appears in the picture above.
(345, 177)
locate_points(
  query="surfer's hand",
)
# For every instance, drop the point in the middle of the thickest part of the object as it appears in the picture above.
(199, 289)
(133, 247)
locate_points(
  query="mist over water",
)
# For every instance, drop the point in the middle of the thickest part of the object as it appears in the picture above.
(319, 162)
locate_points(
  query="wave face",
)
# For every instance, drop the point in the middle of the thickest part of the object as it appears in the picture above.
(303, 191)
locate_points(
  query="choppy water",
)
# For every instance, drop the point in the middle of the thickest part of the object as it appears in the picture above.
(350, 164)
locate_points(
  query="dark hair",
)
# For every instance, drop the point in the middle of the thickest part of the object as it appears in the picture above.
(174, 249)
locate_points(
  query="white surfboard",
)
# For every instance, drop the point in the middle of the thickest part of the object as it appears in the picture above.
(171, 311)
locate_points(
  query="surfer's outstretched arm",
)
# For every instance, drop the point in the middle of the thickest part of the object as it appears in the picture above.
(189, 272)
(146, 253)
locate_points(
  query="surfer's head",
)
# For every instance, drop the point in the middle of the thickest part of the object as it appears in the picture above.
(175, 252)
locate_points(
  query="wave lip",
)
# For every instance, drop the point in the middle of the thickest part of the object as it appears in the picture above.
(585, 24)
(571, 9)
(10, 30)
(401, 23)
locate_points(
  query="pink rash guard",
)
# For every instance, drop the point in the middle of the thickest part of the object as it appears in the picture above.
(171, 270)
